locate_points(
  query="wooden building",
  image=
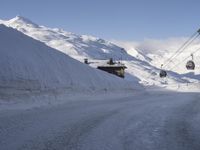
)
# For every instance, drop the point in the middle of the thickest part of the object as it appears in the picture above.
(117, 69)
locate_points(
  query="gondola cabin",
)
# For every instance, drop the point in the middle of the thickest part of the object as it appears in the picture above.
(190, 65)
(163, 73)
(86, 61)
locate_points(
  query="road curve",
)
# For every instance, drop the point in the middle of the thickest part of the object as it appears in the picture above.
(148, 121)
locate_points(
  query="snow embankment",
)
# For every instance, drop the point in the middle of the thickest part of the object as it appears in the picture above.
(83, 46)
(28, 65)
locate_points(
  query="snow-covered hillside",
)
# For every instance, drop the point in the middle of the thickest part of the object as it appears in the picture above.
(29, 65)
(143, 65)
(76, 46)
(67, 42)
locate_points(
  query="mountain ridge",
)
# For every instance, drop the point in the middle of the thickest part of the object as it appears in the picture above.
(67, 42)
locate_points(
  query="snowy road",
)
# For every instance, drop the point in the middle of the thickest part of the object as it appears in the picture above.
(159, 121)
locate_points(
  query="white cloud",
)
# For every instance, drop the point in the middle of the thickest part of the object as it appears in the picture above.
(159, 46)
(129, 46)
(154, 46)
(126, 44)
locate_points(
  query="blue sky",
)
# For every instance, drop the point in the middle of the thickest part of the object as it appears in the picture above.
(111, 19)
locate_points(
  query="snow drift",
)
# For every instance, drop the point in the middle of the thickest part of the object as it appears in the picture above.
(28, 65)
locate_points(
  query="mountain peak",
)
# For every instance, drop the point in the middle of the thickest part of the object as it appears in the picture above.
(22, 20)
(18, 17)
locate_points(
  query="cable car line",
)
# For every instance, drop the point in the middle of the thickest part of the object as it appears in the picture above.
(191, 65)
(184, 59)
(163, 72)
(182, 48)
(186, 42)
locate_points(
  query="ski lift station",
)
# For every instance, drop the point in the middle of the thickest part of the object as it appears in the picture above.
(112, 67)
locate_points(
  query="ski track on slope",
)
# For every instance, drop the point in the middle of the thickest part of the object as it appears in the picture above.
(149, 121)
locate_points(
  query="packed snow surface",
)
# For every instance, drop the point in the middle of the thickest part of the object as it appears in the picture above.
(155, 120)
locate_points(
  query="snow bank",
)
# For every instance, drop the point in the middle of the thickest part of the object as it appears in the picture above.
(28, 65)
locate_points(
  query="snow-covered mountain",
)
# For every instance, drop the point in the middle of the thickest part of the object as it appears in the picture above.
(143, 66)
(76, 46)
(29, 65)
(67, 42)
